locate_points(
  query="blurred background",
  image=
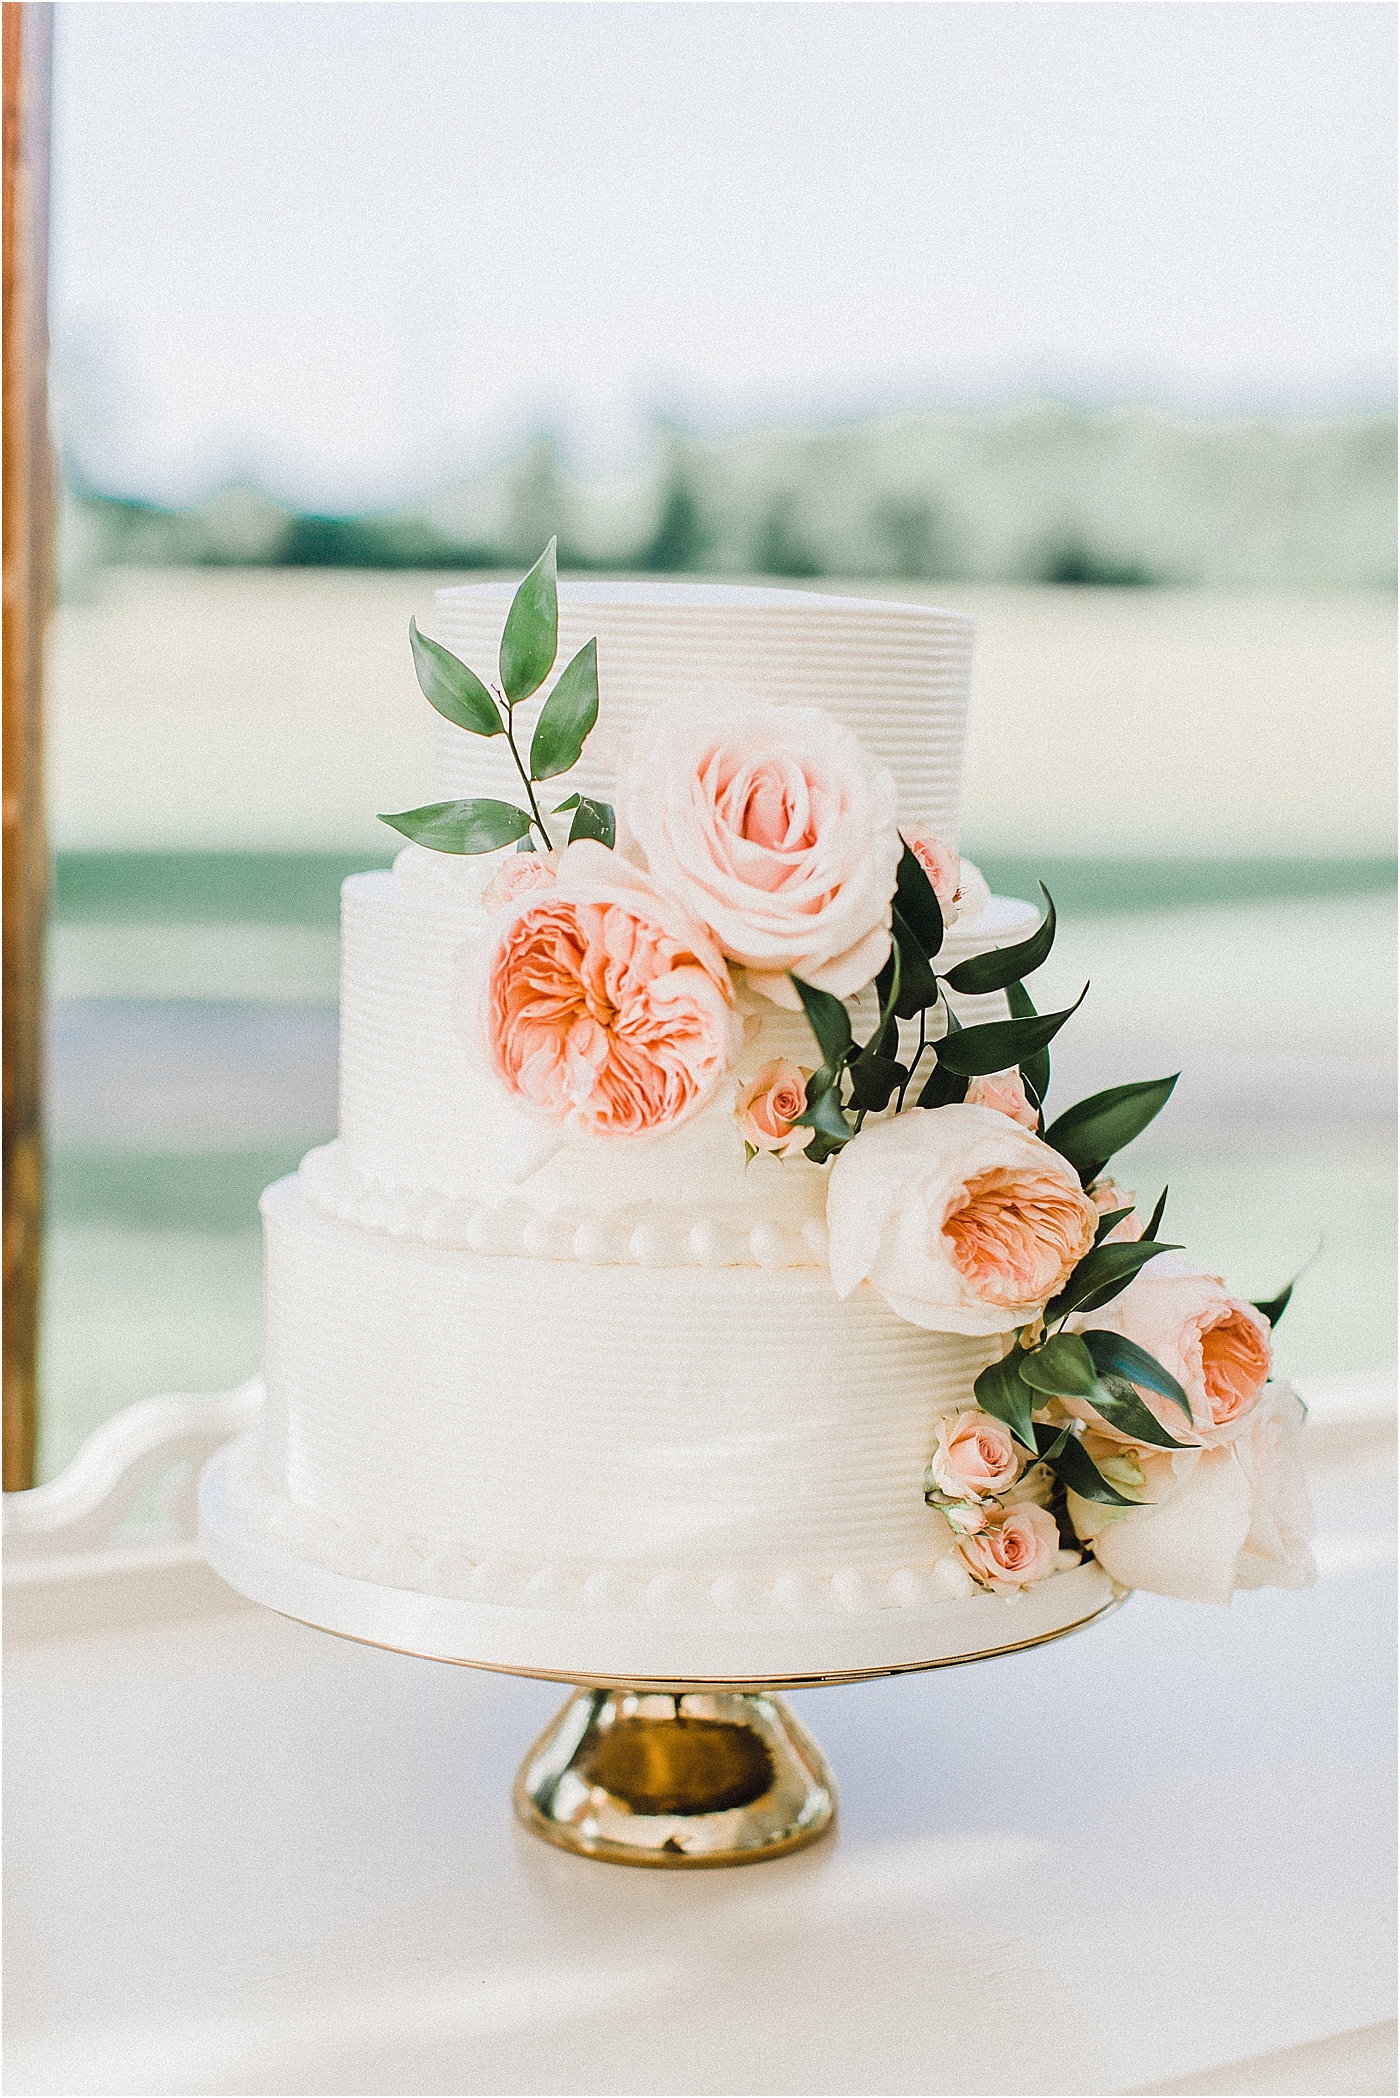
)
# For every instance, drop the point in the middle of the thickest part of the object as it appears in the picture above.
(1080, 318)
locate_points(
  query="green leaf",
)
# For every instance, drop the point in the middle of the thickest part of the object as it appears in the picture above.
(1035, 1070)
(1002, 966)
(1273, 1308)
(456, 692)
(1067, 1366)
(977, 1051)
(1123, 1409)
(1000, 1391)
(531, 638)
(462, 826)
(1061, 1367)
(1089, 1133)
(874, 1079)
(1072, 1463)
(918, 987)
(830, 1022)
(1102, 1275)
(595, 819)
(918, 905)
(824, 1113)
(1107, 1224)
(943, 1088)
(572, 803)
(566, 716)
(1154, 1222)
(875, 1073)
(1115, 1356)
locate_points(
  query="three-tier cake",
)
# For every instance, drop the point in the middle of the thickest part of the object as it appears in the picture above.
(546, 1399)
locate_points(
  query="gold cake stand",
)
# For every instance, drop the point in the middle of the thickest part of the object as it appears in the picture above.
(687, 1774)
(636, 1769)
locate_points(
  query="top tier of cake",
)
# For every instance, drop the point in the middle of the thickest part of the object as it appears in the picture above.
(429, 1144)
(896, 675)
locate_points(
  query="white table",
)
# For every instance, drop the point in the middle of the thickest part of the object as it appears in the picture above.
(247, 1857)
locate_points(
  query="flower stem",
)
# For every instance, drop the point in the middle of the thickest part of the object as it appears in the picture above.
(507, 711)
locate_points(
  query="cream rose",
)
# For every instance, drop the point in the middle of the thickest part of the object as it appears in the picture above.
(776, 830)
(1005, 1092)
(1232, 1516)
(1018, 1547)
(1218, 1349)
(961, 1220)
(768, 1106)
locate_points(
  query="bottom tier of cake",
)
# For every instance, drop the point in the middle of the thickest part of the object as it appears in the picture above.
(613, 1470)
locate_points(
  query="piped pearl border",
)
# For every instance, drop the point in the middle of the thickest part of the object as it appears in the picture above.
(432, 1567)
(643, 1234)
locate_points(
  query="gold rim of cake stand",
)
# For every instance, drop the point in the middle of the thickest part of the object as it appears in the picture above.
(678, 1686)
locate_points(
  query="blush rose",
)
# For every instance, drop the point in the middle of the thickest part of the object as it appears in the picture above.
(606, 1008)
(768, 1106)
(1018, 1547)
(518, 876)
(958, 885)
(959, 1218)
(775, 829)
(1005, 1092)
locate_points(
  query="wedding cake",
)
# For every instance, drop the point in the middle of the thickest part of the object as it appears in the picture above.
(635, 1324)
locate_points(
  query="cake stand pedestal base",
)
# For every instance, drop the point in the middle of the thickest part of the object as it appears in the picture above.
(642, 1777)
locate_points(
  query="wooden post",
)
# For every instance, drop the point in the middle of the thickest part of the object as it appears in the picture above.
(27, 534)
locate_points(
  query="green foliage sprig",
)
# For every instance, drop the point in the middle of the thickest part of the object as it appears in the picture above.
(860, 1078)
(529, 646)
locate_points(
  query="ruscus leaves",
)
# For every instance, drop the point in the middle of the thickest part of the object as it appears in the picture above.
(918, 905)
(978, 1051)
(830, 1022)
(566, 717)
(530, 641)
(593, 819)
(1000, 1391)
(462, 826)
(1089, 1133)
(1002, 966)
(456, 692)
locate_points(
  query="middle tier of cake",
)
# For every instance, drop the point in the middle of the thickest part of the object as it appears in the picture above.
(430, 1147)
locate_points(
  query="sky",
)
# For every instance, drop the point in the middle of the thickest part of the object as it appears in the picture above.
(354, 251)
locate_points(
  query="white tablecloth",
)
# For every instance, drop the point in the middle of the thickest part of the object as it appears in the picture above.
(247, 1857)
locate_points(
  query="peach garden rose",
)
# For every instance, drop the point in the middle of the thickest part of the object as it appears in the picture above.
(1218, 1348)
(960, 1219)
(775, 829)
(606, 1007)
(770, 1103)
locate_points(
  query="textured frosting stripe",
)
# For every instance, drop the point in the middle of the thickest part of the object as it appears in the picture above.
(897, 675)
(703, 1423)
(425, 1135)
